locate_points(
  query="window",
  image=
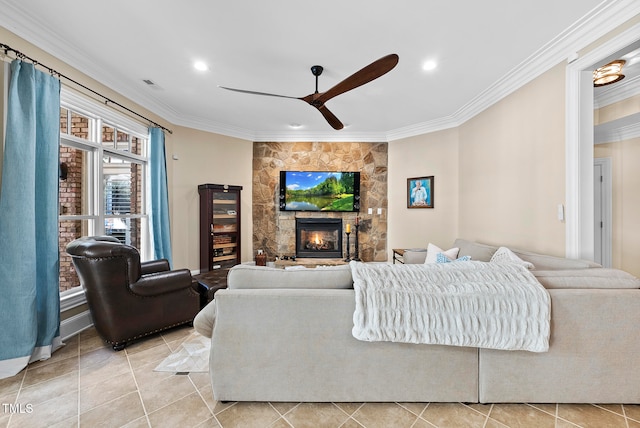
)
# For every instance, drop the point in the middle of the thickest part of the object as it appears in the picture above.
(103, 176)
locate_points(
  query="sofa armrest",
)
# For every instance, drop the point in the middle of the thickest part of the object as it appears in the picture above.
(204, 322)
(602, 278)
(163, 282)
(414, 256)
(154, 266)
(592, 354)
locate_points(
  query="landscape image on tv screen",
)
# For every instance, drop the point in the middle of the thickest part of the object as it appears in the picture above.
(320, 191)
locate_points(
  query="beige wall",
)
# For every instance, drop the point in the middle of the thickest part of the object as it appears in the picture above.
(204, 157)
(512, 168)
(424, 155)
(499, 177)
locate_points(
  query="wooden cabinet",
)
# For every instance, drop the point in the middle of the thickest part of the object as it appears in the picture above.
(219, 231)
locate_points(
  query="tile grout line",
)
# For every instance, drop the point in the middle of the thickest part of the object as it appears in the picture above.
(533, 406)
(488, 415)
(610, 411)
(624, 413)
(79, 395)
(135, 380)
(356, 411)
(418, 416)
(569, 422)
(18, 394)
(422, 413)
(349, 418)
(637, 420)
(205, 401)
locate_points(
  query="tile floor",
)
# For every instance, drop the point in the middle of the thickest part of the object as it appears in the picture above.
(86, 384)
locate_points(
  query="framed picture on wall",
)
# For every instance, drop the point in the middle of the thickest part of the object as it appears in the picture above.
(420, 192)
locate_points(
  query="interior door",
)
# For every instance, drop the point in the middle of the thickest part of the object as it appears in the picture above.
(602, 215)
(598, 224)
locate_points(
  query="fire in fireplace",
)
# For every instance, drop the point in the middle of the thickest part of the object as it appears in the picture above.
(319, 237)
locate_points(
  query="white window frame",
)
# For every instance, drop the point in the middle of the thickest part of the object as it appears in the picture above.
(104, 115)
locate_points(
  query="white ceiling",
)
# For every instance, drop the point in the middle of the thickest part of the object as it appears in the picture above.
(484, 49)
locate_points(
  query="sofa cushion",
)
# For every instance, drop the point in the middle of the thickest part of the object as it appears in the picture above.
(546, 262)
(249, 276)
(414, 255)
(505, 255)
(477, 252)
(586, 278)
(484, 252)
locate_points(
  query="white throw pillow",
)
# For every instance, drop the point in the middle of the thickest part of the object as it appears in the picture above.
(505, 255)
(433, 250)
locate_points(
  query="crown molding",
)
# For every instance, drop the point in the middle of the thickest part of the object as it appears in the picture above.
(622, 129)
(329, 137)
(423, 128)
(603, 19)
(208, 125)
(622, 90)
(36, 32)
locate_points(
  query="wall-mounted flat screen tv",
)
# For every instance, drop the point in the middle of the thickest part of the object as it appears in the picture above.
(319, 191)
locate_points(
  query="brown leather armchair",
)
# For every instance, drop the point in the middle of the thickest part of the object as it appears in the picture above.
(129, 299)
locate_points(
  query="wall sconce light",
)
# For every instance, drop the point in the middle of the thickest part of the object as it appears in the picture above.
(609, 73)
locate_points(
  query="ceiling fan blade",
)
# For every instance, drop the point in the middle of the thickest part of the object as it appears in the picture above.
(257, 93)
(330, 117)
(360, 77)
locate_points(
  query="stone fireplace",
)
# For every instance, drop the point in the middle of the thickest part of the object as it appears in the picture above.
(274, 230)
(319, 237)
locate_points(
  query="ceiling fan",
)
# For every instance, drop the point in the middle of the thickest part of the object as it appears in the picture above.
(359, 78)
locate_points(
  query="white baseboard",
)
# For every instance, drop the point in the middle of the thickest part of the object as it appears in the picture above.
(75, 324)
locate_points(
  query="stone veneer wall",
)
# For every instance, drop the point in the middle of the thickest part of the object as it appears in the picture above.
(274, 230)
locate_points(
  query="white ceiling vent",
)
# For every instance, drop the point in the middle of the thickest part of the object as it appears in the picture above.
(150, 83)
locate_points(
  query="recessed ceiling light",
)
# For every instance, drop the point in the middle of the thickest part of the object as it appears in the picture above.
(609, 73)
(200, 66)
(295, 125)
(429, 65)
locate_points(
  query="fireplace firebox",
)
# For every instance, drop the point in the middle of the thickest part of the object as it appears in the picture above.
(319, 237)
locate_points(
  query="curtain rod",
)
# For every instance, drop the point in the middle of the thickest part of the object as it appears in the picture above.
(107, 100)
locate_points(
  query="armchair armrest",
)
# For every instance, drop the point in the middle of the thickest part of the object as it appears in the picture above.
(163, 282)
(415, 256)
(154, 266)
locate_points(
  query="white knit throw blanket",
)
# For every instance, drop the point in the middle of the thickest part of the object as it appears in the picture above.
(477, 304)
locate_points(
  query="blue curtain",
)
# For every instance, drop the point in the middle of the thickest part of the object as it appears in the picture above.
(159, 215)
(29, 259)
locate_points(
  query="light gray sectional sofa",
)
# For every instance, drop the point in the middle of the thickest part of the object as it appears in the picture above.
(285, 335)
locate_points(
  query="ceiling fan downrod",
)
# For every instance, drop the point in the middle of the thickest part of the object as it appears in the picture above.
(317, 71)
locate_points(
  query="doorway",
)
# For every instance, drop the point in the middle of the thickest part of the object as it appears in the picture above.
(580, 141)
